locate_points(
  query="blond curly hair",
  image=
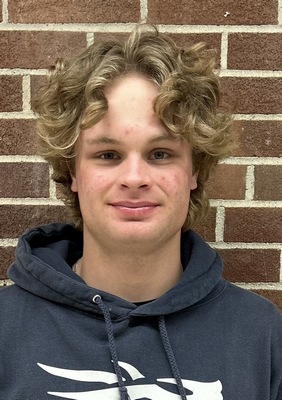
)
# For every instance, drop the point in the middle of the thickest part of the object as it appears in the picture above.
(188, 102)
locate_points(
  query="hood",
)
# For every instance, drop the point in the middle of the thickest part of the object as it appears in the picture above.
(44, 257)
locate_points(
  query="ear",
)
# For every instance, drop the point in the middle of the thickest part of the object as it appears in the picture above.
(194, 183)
(71, 168)
(73, 186)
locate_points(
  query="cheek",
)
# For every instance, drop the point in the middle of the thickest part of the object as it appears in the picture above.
(87, 182)
(178, 195)
(178, 185)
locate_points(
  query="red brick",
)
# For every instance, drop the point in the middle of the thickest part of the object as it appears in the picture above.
(24, 180)
(10, 93)
(16, 219)
(262, 225)
(6, 256)
(206, 228)
(227, 182)
(38, 49)
(252, 95)
(275, 296)
(268, 182)
(213, 12)
(17, 137)
(255, 51)
(251, 265)
(94, 11)
(36, 82)
(259, 139)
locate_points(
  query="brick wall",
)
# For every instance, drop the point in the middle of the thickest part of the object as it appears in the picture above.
(245, 219)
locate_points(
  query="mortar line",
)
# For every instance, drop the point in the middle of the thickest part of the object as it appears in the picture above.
(28, 201)
(6, 282)
(8, 242)
(260, 285)
(220, 28)
(250, 183)
(127, 27)
(219, 224)
(26, 93)
(279, 12)
(5, 12)
(246, 246)
(22, 71)
(246, 203)
(17, 115)
(224, 51)
(89, 38)
(143, 10)
(258, 117)
(281, 266)
(252, 161)
(20, 159)
(52, 185)
(250, 73)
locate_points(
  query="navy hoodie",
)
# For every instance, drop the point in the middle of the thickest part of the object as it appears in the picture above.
(205, 339)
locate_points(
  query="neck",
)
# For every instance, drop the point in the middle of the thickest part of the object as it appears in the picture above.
(133, 275)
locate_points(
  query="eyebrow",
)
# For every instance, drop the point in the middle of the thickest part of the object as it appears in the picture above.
(103, 139)
(111, 140)
(163, 136)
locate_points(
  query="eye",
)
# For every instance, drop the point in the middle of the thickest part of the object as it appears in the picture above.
(108, 156)
(160, 155)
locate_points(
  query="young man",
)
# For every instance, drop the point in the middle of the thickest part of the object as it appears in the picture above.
(130, 303)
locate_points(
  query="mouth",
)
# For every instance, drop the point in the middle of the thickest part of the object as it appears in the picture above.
(134, 209)
(133, 204)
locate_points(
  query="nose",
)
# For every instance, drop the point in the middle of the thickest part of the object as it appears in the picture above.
(135, 173)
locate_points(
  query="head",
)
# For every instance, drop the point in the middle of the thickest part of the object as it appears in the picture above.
(187, 105)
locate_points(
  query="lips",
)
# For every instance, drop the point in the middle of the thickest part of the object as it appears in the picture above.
(134, 209)
(134, 204)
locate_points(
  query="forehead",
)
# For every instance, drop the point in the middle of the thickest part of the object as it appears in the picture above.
(131, 89)
(130, 105)
(130, 113)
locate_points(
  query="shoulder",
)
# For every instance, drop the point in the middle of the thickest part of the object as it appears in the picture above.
(252, 305)
(8, 292)
(12, 297)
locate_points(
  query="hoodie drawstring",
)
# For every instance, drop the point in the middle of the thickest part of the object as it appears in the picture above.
(109, 327)
(166, 343)
(171, 358)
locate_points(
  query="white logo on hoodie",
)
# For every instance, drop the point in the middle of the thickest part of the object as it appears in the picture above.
(200, 390)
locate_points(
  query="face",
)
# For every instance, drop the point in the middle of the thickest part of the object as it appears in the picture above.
(132, 178)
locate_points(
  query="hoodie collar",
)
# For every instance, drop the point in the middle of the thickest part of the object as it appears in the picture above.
(44, 257)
